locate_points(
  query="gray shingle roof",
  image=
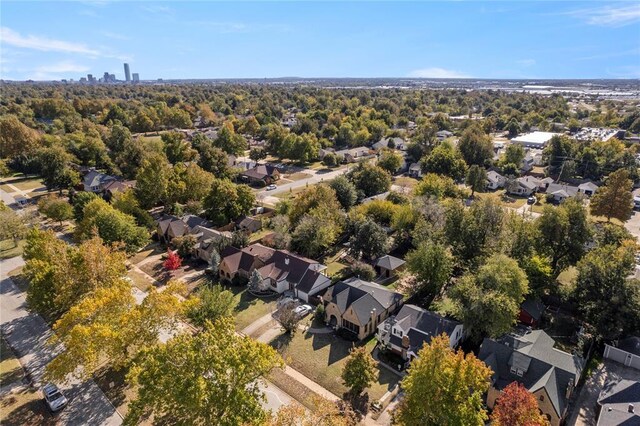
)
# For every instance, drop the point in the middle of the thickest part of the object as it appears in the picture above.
(533, 307)
(541, 365)
(389, 262)
(363, 297)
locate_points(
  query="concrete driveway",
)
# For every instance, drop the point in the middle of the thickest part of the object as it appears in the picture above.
(633, 224)
(27, 334)
(584, 411)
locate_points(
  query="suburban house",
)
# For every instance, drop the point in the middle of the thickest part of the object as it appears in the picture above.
(208, 240)
(527, 163)
(625, 351)
(94, 181)
(495, 180)
(588, 188)
(354, 154)
(359, 306)
(388, 266)
(413, 327)
(619, 403)
(280, 270)
(415, 170)
(524, 186)
(531, 311)
(169, 227)
(261, 173)
(286, 271)
(392, 143)
(560, 192)
(241, 262)
(115, 186)
(529, 357)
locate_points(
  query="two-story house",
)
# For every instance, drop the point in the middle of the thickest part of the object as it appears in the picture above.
(413, 327)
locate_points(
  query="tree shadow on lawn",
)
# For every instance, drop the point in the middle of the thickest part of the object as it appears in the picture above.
(31, 412)
(339, 348)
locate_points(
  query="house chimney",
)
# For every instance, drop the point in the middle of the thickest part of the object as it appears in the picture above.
(569, 388)
(631, 408)
(286, 260)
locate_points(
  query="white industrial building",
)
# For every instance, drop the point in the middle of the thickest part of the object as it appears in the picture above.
(534, 139)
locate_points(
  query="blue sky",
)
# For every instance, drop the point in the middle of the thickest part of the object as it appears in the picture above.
(177, 39)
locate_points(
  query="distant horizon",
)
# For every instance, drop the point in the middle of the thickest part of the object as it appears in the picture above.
(513, 40)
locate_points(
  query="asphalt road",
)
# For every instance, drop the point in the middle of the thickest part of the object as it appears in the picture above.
(316, 177)
(27, 334)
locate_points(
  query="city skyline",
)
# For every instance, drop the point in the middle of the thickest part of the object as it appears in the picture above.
(198, 40)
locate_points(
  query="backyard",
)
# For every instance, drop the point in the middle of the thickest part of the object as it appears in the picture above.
(322, 356)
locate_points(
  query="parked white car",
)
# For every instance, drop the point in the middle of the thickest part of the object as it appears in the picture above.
(53, 397)
(271, 187)
(303, 310)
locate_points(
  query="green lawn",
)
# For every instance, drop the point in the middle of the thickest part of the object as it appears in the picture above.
(9, 250)
(29, 184)
(10, 368)
(321, 357)
(249, 308)
(334, 268)
(25, 407)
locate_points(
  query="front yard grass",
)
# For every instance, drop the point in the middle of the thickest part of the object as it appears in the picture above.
(298, 176)
(10, 368)
(321, 357)
(249, 308)
(150, 250)
(139, 280)
(8, 249)
(28, 184)
(25, 407)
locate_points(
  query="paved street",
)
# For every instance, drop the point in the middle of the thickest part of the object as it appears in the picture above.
(27, 334)
(316, 176)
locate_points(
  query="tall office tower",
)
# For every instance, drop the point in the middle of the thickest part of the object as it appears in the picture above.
(127, 73)
(136, 77)
(106, 77)
(90, 78)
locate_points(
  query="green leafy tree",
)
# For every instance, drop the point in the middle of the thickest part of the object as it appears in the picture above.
(370, 179)
(369, 240)
(80, 200)
(475, 146)
(488, 302)
(362, 270)
(152, 180)
(185, 245)
(615, 198)
(432, 265)
(345, 190)
(112, 226)
(443, 388)
(433, 185)
(360, 370)
(227, 201)
(16, 138)
(229, 141)
(187, 380)
(390, 160)
(445, 160)
(513, 154)
(176, 148)
(330, 160)
(55, 170)
(563, 232)
(56, 209)
(476, 178)
(209, 304)
(12, 226)
(607, 298)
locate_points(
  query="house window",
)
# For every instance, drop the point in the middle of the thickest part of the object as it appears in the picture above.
(541, 397)
(351, 326)
(520, 373)
(513, 370)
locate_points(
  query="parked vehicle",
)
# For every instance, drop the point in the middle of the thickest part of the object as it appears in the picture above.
(271, 187)
(532, 200)
(303, 310)
(53, 397)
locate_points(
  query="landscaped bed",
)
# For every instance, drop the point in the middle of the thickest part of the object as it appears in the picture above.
(321, 357)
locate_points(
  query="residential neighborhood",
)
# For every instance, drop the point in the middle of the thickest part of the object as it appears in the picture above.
(432, 249)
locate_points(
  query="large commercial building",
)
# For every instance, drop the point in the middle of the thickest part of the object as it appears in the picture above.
(534, 139)
(127, 73)
(136, 77)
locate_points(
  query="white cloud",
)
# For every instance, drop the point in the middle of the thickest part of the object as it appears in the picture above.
(115, 36)
(526, 62)
(609, 16)
(437, 73)
(12, 38)
(9, 37)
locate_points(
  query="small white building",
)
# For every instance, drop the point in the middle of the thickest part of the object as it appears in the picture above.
(625, 351)
(495, 180)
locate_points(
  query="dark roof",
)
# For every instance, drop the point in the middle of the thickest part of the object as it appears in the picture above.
(308, 280)
(261, 171)
(192, 221)
(533, 307)
(542, 365)
(389, 262)
(95, 178)
(421, 325)
(630, 344)
(615, 399)
(363, 297)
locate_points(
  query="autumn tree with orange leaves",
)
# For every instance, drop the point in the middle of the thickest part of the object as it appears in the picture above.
(516, 406)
